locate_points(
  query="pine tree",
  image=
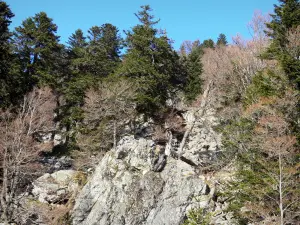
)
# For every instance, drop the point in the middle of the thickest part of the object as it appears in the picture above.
(222, 41)
(266, 184)
(152, 62)
(103, 52)
(209, 43)
(5, 53)
(90, 61)
(77, 40)
(76, 81)
(286, 19)
(38, 48)
(193, 66)
(12, 83)
(5, 19)
(77, 51)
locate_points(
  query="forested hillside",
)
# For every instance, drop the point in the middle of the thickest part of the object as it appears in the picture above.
(86, 99)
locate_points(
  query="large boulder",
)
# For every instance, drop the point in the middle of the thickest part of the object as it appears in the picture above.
(55, 187)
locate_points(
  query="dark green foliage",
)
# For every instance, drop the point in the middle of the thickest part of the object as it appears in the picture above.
(39, 52)
(77, 40)
(262, 146)
(192, 63)
(74, 92)
(264, 84)
(256, 184)
(222, 41)
(5, 53)
(11, 83)
(287, 16)
(151, 61)
(285, 19)
(236, 135)
(103, 51)
(198, 217)
(145, 17)
(77, 51)
(89, 63)
(5, 20)
(209, 43)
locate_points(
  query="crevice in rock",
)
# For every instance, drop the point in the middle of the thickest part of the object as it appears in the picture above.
(190, 162)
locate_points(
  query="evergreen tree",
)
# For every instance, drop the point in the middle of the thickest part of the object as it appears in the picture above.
(285, 19)
(5, 53)
(76, 81)
(192, 63)
(5, 20)
(152, 62)
(209, 43)
(103, 52)
(77, 50)
(12, 83)
(266, 182)
(37, 46)
(77, 40)
(89, 61)
(222, 41)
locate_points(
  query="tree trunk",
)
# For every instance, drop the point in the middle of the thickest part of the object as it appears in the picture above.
(4, 190)
(115, 134)
(280, 191)
(200, 114)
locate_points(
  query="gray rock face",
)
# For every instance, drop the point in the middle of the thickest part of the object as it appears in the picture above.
(55, 163)
(126, 189)
(203, 142)
(143, 183)
(58, 139)
(53, 188)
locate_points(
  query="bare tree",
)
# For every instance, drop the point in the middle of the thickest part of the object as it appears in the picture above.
(257, 27)
(187, 47)
(267, 181)
(19, 148)
(232, 67)
(108, 108)
(279, 145)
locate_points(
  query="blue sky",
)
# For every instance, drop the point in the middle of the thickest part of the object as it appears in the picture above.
(183, 20)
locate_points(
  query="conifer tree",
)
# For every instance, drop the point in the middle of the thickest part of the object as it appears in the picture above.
(152, 62)
(5, 19)
(222, 41)
(90, 61)
(12, 82)
(77, 50)
(38, 48)
(75, 83)
(5, 53)
(209, 43)
(286, 19)
(77, 40)
(193, 66)
(103, 52)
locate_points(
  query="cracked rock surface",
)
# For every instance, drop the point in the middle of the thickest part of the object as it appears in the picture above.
(141, 183)
(125, 190)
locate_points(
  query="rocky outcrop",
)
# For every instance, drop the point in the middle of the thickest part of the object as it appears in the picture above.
(127, 189)
(53, 163)
(145, 182)
(203, 143)
(55, 187)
